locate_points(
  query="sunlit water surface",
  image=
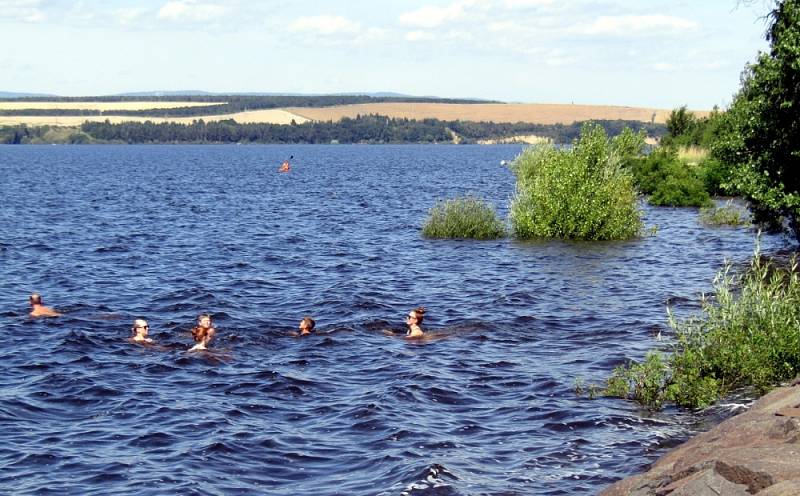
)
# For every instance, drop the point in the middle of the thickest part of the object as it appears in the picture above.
(111, 233)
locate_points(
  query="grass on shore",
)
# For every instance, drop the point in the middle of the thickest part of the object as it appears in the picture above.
(748, 336)
(692, 155)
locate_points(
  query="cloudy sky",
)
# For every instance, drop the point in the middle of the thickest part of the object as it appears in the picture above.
(655, 53)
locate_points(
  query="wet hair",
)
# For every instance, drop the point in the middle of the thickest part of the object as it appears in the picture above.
(420, 313)
(36, 299)
(134, 326)
(308, 320)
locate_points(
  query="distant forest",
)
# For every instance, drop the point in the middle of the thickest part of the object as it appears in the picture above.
(362, 129)
(225, 104)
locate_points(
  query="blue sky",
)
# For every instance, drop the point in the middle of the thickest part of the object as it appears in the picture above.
(619, 52)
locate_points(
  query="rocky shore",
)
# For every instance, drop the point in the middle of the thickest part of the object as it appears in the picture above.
(755, 452)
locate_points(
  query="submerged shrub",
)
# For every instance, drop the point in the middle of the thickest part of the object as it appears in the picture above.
(581, 193)
(669, 181)
(726, 215)
(644, 382)
(463, 217)
(747, 336)
(715, 174)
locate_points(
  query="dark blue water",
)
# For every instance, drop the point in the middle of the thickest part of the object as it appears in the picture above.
(111, 233)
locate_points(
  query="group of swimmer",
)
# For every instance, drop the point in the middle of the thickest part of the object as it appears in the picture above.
(203, 332)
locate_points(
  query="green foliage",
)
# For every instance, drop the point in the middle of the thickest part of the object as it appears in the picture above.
(726, 215)
(668, 181)
(680, 122)
(748, 336)
(760, 135)
(644, 382)
(579, 193)
(463, 217)
(681, 188)
(685, 129)
(714, 174)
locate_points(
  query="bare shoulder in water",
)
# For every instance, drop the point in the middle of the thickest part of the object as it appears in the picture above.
(38, 309)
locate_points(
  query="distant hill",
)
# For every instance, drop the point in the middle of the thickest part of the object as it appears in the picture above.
(167, 93)
(377, 94)
(11, 94)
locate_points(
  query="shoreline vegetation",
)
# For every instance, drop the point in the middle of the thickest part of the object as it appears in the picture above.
(309, 119)
(363, 129)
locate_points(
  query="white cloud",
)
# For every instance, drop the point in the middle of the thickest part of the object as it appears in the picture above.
(419, 36)
(22, 10)
(128, 16)
(325, 25)
(626, 24)
(524, 4)
(189, 10)
(431, 16)
(664, 67)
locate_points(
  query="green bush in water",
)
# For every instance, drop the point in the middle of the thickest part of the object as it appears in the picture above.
(715, 174)
(748, 336)
(669, 181)
(582, 193)
(463, 217)
(726, 215)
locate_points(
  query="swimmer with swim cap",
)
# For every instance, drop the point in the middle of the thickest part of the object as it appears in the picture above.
(38, 309)
(203, 332)
(413, 321)
(140, 330)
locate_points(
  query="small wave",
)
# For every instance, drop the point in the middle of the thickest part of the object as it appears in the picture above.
(433, 481)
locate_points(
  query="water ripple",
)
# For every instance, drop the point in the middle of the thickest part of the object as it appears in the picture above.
(485, 406)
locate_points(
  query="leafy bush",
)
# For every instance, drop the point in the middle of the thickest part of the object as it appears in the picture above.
(578, 193)
(463, 217)
(749, 336)
(760, 135)
(644, 382)
(727, 215)
(715, 175)
(669, 181)
(681, 188)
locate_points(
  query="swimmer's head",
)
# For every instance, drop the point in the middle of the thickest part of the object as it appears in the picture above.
(415, 316)
(204, 320)
(307, 325)
(35, 299)
(140, 328)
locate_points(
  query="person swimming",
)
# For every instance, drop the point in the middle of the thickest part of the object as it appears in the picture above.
(306, 326)
(203, 332)
(38, 309)
(140, 330)
(413, 321)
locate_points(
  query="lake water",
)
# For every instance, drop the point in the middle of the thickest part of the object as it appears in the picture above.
(111, 233)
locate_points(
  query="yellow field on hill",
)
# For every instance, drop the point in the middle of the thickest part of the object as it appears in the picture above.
(271, 116)
(537, 113)
(104, 106)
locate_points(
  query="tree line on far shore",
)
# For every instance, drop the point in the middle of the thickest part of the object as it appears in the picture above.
(361, 129)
